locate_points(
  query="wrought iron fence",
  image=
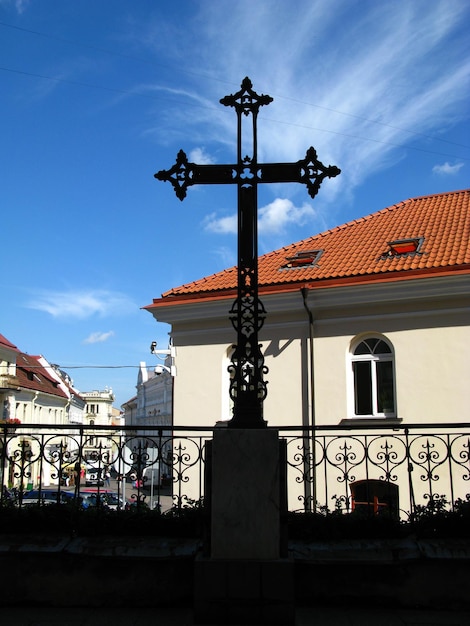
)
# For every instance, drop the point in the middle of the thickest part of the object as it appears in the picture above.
(379, 469)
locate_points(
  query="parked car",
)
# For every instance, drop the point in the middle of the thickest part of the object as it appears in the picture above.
(47, 496)
(102, 497)
(114, 501)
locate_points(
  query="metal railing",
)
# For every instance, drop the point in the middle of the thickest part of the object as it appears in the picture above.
(379, 468)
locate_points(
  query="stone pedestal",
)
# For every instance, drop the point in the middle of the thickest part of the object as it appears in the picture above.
(245, 498)
(244, 578)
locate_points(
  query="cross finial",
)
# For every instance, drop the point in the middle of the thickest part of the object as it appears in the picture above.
(246, 100)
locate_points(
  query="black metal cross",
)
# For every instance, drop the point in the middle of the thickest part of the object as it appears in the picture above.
(247, 387)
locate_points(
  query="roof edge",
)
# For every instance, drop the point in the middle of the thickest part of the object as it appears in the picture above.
(168, 301)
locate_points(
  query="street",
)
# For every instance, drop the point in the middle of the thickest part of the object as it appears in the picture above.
(129, 493)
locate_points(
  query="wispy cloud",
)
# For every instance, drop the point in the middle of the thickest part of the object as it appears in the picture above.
(390, 83)
(20, 5)
(446, 169)
(98, 337)
(226, 255)
(81, 304)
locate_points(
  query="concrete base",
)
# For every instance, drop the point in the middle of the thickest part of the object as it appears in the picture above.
(244, 592)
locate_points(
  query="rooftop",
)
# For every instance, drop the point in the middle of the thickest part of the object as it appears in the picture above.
(419, 236)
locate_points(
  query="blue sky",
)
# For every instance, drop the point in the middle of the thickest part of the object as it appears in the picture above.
(98, 96)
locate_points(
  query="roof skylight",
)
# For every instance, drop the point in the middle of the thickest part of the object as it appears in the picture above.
(404, 247)
(304, 258)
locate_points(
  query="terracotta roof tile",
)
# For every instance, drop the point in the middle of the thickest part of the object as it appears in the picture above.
(360, 247)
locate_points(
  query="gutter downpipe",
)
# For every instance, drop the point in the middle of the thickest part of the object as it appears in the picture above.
(313, 505)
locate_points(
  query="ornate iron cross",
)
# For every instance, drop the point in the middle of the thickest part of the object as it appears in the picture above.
(247, 387)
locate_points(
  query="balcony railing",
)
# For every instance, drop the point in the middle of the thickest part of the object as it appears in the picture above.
(381, 469)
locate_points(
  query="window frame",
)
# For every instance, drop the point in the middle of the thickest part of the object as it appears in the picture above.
(374, 359)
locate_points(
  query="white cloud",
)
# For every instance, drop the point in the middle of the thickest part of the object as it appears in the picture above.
(447, 169)
(273, 218)
(81, 304)
(98, 337)
(200, 156)
(221, 225)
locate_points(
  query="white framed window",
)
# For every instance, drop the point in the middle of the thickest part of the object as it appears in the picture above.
(373, 377)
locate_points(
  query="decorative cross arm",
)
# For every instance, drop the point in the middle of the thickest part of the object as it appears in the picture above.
(309, 171)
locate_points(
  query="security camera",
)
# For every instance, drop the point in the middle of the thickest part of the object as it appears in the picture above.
(158, 370)
(153, 345)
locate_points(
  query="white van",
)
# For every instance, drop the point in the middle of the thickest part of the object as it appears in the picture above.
(151, 476)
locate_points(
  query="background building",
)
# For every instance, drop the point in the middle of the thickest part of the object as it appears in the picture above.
(152, 406)
(34, 392)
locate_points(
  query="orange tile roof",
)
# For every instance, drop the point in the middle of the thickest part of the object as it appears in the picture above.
(359, 250)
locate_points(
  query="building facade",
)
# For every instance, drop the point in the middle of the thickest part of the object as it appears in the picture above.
(100, 448)
(35, 393)
(367, 324)
(152, 406)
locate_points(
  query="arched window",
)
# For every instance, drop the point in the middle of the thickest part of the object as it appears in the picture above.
(376, 497)
(374, 378)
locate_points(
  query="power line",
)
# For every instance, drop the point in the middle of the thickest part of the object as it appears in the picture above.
(93, 86)
(151, 97)
(76, 367)
(200, 75)
(386, 143)
(120, 54)
(365, 119)
(111, 367)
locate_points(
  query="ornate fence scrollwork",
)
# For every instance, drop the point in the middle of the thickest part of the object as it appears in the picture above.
(383, 470)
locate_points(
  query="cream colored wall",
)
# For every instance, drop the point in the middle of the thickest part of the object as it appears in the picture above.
(430, 366)
(202, 383)
(286, 356)
(197, 391)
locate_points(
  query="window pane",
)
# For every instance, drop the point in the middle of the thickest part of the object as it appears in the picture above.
(373, 346)
(362, 348)
(385, 392)
(362, 388)
(382, 348)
